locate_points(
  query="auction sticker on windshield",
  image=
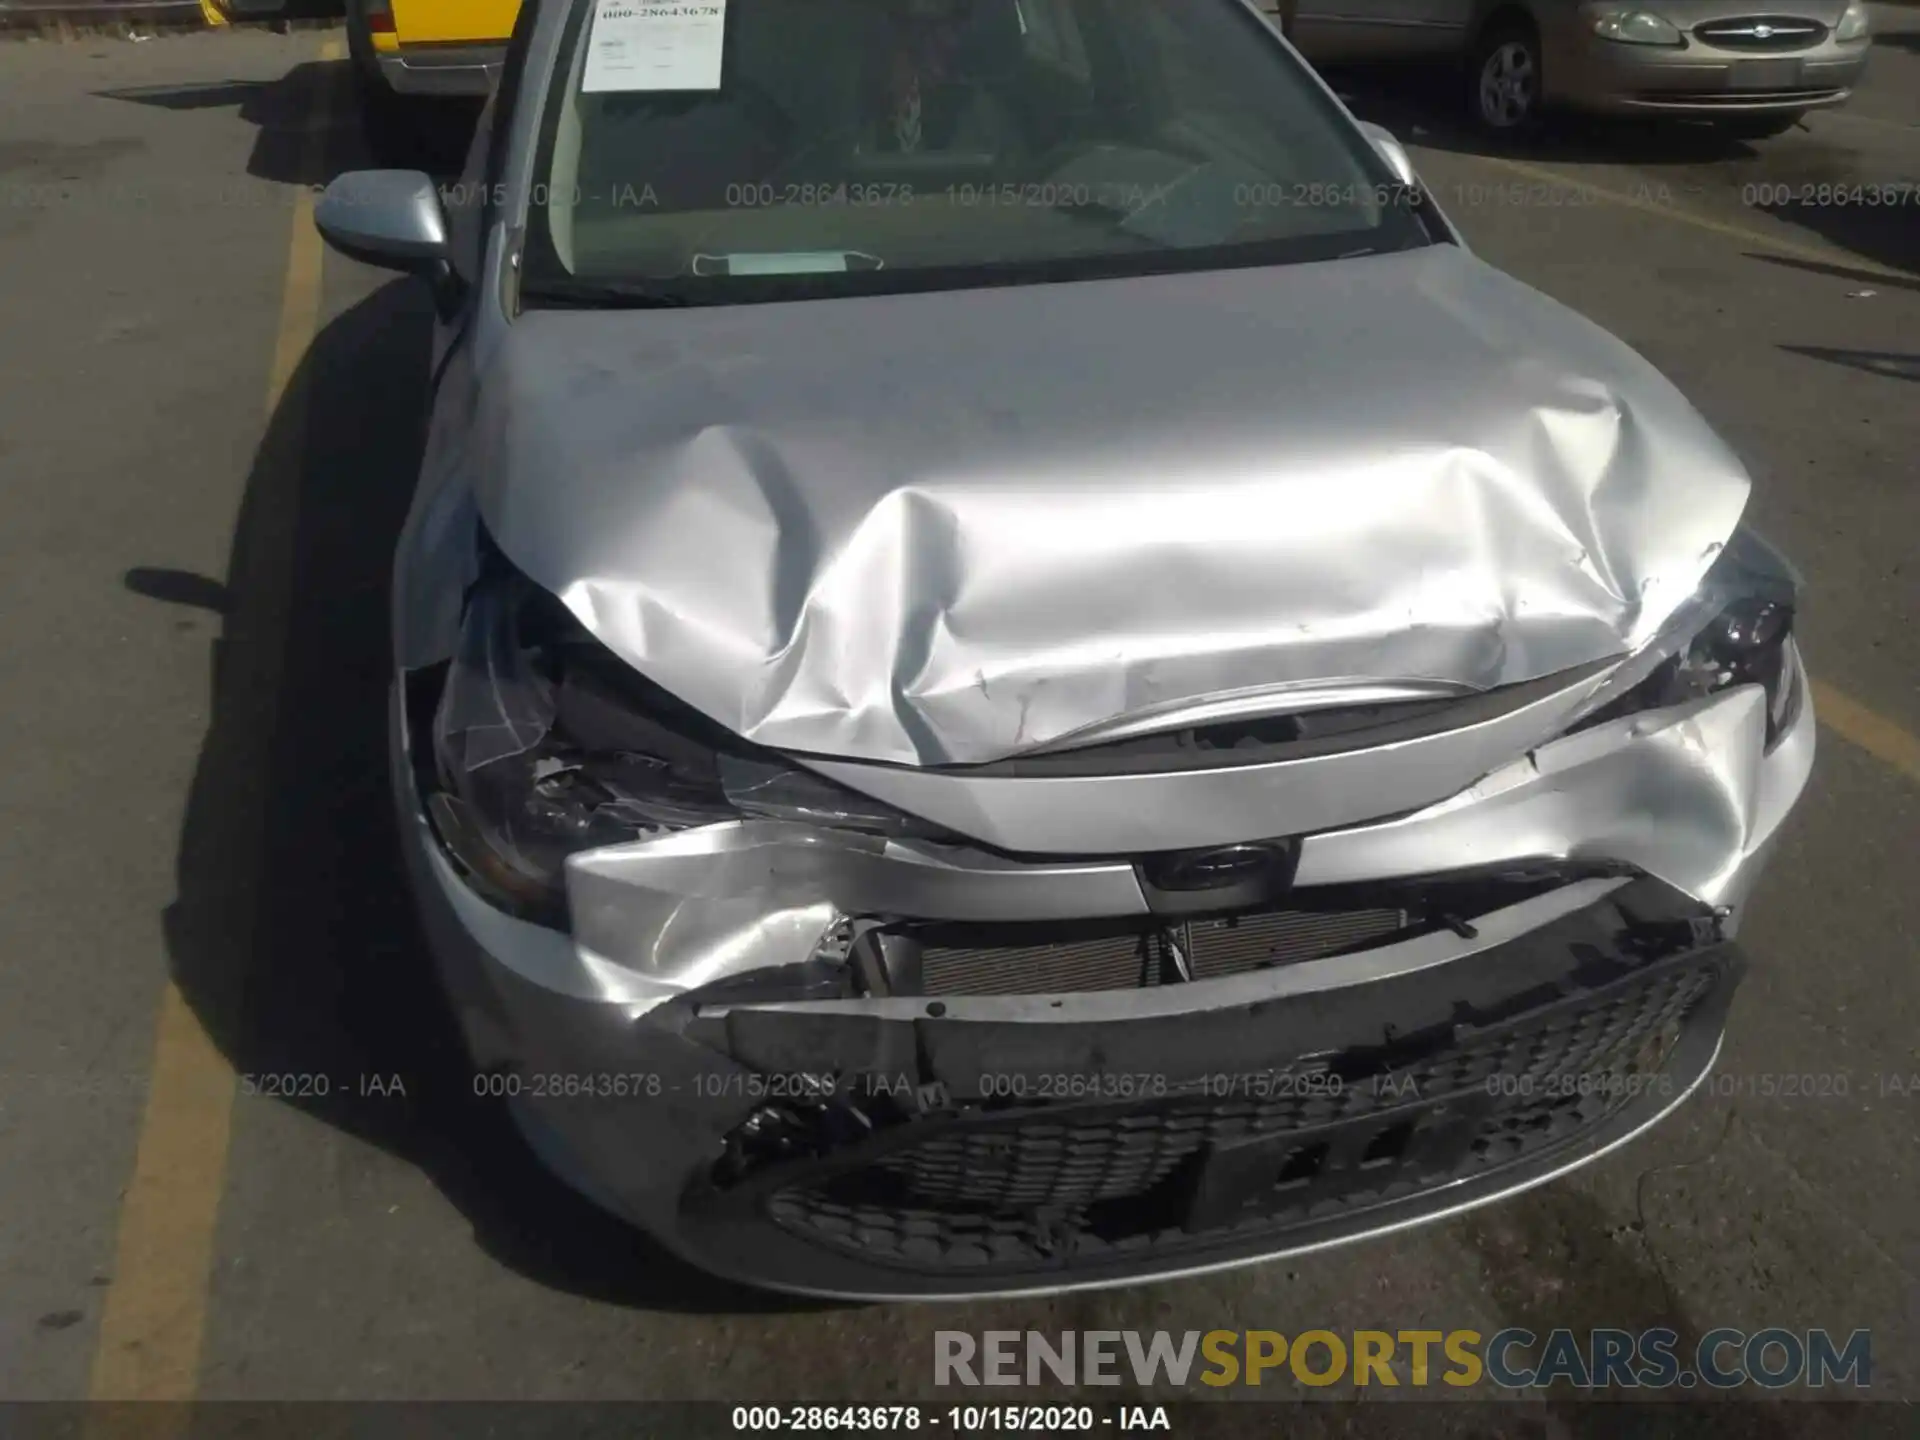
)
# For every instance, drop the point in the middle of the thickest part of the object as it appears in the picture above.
(655, 45)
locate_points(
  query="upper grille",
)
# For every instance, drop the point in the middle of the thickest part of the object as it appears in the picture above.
(1208, 949)
(1762, 34)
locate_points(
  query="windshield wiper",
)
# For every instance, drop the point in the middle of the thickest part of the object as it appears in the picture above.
(603, 295)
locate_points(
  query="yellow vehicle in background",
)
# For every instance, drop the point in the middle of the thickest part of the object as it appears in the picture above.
(403, 50)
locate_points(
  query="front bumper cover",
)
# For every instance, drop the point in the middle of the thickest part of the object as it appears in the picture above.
(961, 1155)
(443, 69)
(1700, 80)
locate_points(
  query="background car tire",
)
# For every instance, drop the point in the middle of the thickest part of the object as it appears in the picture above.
(1503, 77)
(1760, 127)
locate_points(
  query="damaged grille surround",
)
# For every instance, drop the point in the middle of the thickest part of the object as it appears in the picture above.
(1178, 952)
(1177, 938)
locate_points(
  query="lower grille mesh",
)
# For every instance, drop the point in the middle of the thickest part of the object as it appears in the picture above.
(1011, 1190)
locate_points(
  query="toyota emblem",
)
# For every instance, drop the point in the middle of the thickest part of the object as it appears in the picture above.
(1215, 869)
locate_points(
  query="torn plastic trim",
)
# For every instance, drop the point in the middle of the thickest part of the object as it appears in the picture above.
(1339, 972)
(637, 1155)
(1069, 809)
(1687, 796)
(858, 874)
(1279, 735)
(545, 744)
(1748, 569)
(1638, 939)
(1257, 702)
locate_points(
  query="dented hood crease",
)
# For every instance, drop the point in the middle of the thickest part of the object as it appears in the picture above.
(952, 527)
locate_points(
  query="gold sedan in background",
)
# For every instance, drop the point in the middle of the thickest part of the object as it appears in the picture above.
(1753, 66)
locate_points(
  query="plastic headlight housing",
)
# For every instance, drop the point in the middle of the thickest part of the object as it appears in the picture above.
(545, 743)
(1737, 630)
(1636, 27)
(1853, 25)
(1745, 644)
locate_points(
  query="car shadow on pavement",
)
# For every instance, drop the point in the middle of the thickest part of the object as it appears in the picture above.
(1886, 234)
(1556, 1259)
(1886, 363)
(292, 937)
(285, 111)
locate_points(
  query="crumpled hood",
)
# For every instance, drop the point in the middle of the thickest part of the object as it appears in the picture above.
(951, 527)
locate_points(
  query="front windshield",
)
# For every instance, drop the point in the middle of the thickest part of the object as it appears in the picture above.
(727, 150)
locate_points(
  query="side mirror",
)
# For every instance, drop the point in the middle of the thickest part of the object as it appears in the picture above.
(390, 218)
(1391, 150)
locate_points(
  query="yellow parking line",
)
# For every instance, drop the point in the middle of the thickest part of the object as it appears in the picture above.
(1871, 731)
(1742, 233)
(300, 298)
(150, 1329)
(149, 1344)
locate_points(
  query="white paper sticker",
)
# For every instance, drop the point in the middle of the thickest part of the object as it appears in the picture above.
(655, 45)
(812, 262)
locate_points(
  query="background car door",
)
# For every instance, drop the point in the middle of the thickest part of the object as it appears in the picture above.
(1357, 30)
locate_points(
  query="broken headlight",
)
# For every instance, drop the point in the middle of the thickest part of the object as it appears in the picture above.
(546, 743)
(1737, 630)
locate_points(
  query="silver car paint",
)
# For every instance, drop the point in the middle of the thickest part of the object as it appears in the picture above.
(391, 213)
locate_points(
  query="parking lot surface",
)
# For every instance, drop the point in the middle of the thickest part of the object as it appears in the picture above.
(243, 1156)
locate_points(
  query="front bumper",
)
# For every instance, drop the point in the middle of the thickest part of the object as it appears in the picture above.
(452, 69)
(1701, 81)
(1002, 1144)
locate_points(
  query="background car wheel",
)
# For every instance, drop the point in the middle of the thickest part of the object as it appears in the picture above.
(1504, 78)
(1760, 127)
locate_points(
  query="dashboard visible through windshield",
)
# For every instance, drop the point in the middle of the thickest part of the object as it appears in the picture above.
(707, 153)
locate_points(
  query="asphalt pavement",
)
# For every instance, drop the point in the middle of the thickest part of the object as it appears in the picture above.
(207, 434)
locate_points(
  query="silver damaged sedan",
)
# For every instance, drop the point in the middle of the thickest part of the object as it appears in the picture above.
(1014, 671)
